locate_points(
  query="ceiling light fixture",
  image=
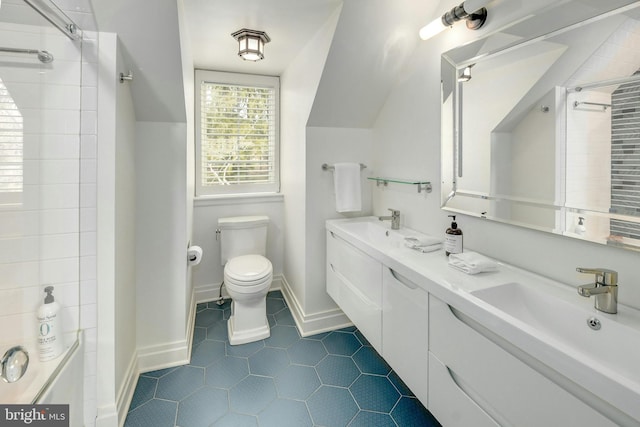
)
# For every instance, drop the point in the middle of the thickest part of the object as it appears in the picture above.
(251, 44)
(472, 11)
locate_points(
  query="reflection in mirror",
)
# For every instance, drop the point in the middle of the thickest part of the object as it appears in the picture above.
(544, 132)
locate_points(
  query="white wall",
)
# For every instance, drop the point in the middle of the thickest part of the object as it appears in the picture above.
(329, 145)
(116, 339)
(161, 243)
(298, 86)
(413, 111)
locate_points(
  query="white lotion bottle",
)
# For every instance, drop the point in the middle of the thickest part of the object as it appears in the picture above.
(49, 334)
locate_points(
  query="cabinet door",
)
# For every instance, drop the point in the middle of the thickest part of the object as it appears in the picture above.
(506, 388)
(405, 316)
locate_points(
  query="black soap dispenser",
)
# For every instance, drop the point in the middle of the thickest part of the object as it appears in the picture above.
(453, 238)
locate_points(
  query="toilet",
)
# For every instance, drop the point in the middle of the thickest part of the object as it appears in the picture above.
(247, 276)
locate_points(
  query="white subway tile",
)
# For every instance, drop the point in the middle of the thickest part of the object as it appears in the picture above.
(19, 274)
(88, 219)
(63, 171)
(88, 171)
(88, 243)
(89, 146)
(89, 123)
(89, 98)
(88, 292)
(59, 246)
(88, 197)
(88, 316)
(88, 268)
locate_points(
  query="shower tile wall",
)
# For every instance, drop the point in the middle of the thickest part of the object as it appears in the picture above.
(39, 232)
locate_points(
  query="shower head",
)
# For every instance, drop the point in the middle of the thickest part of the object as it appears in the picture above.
(45, 57)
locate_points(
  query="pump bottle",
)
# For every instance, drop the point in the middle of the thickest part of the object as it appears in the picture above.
(49, 333)
(453, 238)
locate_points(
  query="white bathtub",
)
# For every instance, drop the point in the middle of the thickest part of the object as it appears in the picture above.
(56, 381)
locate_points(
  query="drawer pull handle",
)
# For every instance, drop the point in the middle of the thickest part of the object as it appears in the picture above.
(406, 282)
(477, 399)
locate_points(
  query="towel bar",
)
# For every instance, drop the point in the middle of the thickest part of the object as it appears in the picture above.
(326, 167)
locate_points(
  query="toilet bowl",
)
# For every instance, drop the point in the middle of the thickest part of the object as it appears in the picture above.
(247, 277)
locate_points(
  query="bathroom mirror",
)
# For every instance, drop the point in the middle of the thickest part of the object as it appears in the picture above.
(541, 123)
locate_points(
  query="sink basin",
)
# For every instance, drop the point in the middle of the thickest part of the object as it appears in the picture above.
(567, 320)
(378, 233)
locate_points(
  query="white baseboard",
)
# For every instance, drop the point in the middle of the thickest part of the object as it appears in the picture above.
(172, 354)
(128, 387)
(315, 323)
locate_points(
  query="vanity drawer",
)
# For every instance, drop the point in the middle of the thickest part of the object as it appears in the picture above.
(449, 403)
(354, 281)
(405, 341)
(506, 388)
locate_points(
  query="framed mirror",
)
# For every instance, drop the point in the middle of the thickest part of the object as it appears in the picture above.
(541, 124)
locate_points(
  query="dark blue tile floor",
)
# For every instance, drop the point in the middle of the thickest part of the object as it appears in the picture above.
(334, 379)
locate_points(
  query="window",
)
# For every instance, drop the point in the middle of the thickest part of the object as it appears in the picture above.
(237, 119)
(11, 140)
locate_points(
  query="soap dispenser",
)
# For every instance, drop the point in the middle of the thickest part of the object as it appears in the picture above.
(453, 238)
(580, 227)
(49, 334)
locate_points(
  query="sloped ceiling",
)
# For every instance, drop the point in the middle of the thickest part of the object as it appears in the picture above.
(372, 43)
(148, 30)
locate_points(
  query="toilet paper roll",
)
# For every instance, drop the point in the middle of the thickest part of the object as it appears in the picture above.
(194, 255)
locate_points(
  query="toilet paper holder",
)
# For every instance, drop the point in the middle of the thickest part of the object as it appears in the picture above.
(194, 255)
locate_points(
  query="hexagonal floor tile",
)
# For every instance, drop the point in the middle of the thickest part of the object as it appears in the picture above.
(203, 407)
(410, 412)
(285, 413)
(218, 331)
(372, 419)
(156, 413)
(341, 405)
(244, 350)
(307, 352)
(370, 362)
(374, 393)
(341, 343)
(284, 317)
(227, 372)
(208, 317)
(282, 336)
(199, 335)
(144, 392)
(337, 370)
(180, 383)
(297, 382)
(252, 395)
(268, 361)
(207, 352)
(237, 420)
(402, 388)
(274, 305)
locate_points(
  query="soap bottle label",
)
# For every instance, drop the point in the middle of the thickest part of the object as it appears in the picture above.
(453, 243)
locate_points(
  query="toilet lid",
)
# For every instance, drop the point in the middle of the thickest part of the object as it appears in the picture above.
(248, 268)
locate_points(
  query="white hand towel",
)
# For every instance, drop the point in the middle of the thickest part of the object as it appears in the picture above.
(346, 178)
(414, 242)
(472, 263)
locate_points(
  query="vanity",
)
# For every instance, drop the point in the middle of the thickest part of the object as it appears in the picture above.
(496, 349)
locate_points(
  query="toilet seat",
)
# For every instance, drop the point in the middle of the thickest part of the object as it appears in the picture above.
(248, 272)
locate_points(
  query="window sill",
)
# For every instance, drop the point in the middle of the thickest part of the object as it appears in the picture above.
(238, 199)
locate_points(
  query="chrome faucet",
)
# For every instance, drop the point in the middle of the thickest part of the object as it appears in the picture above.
(394, 217)
(605, 289)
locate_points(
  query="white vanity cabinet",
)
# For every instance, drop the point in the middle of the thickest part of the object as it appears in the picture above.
(354, 281)
(475, 381)
(405, 317)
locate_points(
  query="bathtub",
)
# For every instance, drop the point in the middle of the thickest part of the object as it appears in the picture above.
(56, 381)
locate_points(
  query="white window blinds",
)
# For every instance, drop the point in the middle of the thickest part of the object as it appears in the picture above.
(11, 140)
(237, 134)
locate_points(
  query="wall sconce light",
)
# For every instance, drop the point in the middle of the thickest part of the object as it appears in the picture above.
(472, 11)
(251, 44)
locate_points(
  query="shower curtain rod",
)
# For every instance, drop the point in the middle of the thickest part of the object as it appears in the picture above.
(56, 17)
(44, 56)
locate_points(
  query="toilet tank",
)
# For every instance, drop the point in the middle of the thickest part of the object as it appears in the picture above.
(242, 235)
